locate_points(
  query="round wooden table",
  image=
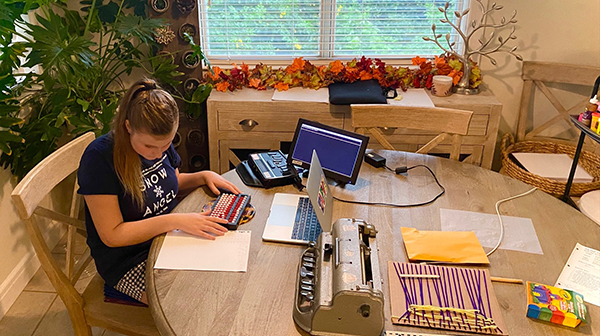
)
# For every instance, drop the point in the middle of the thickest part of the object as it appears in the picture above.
(260, 301)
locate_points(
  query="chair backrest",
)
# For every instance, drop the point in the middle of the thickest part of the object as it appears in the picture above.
(538, 74)
(447, 122)
(28, 195)
(87, 309)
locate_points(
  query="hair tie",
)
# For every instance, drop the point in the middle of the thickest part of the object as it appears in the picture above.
(144, 86)
(149, 85)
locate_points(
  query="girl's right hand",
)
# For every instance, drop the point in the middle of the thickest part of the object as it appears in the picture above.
(202, 225)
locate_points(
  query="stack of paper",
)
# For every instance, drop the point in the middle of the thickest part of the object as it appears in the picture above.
(552, 166)
(186, 252)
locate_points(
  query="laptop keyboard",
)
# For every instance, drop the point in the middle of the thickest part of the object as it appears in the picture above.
(306, 225)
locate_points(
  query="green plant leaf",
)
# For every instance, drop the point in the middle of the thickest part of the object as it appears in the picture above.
(138, 27)
(56, 50)
(5, 148)
(60, 119)
(165, 70)
(201, 93)
(108, 13)
(198, 52)
(139, 7)
(9, 136)
(74, 22)
(7, 122)
(10, 53)
(84, 104)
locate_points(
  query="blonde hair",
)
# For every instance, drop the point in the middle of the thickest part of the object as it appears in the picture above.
(150, 110)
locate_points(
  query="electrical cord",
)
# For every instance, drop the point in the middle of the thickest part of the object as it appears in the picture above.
(400, 170)
(500, 217)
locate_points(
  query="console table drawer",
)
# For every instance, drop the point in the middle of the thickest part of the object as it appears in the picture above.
(273, 121)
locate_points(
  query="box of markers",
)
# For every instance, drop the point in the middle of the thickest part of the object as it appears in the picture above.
(555, 305)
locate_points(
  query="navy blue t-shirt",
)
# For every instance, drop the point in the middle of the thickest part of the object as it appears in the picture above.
(97, 176)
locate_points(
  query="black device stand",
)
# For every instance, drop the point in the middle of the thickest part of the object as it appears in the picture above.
(585, 130)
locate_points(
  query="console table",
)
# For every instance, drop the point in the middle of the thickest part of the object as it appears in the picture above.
(249, 119)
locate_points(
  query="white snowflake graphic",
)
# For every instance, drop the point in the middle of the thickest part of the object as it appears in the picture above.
(158, 191)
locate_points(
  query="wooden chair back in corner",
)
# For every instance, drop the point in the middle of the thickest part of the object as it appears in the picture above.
(448, 122)
(27, 196)
(538, 74)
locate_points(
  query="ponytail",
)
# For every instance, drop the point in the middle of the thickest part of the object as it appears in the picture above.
(150, 110)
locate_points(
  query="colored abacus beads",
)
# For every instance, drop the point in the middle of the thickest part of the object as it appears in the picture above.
(230, 207)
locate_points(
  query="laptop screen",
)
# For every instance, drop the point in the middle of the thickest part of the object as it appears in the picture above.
(340, 151)
(319, 194)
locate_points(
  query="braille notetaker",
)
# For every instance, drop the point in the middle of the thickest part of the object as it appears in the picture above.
(231, 208)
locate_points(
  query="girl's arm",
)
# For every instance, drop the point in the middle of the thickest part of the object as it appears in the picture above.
(114, 232)
(190, 181)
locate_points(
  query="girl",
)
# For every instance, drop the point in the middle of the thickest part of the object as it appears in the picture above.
(129, 179)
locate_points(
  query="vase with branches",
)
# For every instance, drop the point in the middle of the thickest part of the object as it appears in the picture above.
(487, 44)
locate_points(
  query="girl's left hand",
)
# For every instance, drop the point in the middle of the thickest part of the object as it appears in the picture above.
(215, 182)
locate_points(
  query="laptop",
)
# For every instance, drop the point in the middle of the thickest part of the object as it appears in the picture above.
(300, 219)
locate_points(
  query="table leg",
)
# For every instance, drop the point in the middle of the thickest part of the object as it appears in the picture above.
(565, 197)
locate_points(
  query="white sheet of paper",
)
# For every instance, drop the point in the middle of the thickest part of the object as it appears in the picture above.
(553, 166)
(302, 94)
(581, 274)
(412, 97)
(519, 233)
(227, 253)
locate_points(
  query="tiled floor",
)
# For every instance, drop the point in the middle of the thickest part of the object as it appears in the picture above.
(39, 311)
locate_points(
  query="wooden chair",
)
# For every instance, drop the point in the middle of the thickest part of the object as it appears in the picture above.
(538, 74)
(87, 309)
(450, 123)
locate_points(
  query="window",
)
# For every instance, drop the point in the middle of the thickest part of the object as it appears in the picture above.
(282, 29)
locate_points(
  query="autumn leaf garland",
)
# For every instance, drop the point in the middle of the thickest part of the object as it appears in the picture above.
(302, 73)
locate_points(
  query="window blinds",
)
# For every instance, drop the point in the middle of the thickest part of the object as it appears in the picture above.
(280, 29)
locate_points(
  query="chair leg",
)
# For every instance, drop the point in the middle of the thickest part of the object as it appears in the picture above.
(78, 320)
(456, 143)
(81, 328)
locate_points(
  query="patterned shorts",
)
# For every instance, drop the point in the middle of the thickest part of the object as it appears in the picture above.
(133, 283)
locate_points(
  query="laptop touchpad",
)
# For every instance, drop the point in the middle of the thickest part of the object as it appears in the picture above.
(282, 215)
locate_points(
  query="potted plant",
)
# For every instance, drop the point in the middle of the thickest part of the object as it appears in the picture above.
(190, 60)
(160, 6)
(77, 60)
(188, 28)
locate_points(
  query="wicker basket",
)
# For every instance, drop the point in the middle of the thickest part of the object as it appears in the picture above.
(588, 161)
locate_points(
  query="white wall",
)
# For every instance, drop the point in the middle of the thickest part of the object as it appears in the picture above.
(19, 262)
(550, 31)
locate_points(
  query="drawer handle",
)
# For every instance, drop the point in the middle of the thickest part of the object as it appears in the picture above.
(248, 122)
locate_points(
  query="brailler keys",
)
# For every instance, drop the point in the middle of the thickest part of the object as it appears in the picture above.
(231, 208)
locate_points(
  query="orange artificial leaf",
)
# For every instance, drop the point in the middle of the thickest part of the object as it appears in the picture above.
(223, 86)
(351, 74)
(321, 70)
(365, 75)
(282, 86)
(254, 82)
(418, 60)
(456, 76)
(379, 76)
(439, 61)
(297, 65)
(217, 71)
(245, 68)
(336, 67)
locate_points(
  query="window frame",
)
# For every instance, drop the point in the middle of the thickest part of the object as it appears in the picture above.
(326, 39)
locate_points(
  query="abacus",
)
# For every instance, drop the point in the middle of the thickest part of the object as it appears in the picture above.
(230, 207)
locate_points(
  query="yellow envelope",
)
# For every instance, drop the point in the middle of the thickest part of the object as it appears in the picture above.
(446, 246)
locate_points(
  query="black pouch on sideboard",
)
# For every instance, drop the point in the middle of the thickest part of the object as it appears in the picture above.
(360, 92)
